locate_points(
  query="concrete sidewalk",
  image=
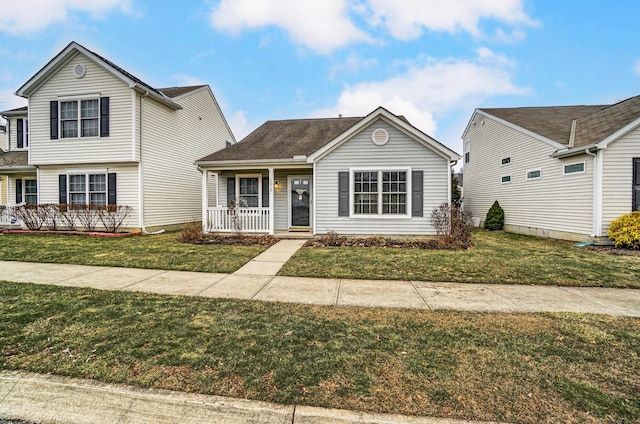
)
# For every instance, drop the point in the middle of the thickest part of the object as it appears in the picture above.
(337, 292)
(53, 399)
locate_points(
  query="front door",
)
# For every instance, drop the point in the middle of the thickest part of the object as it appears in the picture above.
(300, 201)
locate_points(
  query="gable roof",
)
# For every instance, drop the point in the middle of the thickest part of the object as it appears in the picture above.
(284, 139)
(15, 112)
(173, 92)
(572, 126)
(311, 139)
(69, 53)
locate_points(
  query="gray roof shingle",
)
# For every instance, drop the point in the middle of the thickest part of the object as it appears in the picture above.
(14, 159)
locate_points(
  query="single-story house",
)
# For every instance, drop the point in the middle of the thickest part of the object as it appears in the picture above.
(376, 174)
(560, 171)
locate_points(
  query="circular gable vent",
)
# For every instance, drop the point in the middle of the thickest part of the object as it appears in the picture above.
(380, 137)
(79, 70)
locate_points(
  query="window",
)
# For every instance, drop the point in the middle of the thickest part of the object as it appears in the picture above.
(506, 161)
(79, 118)
(505, 179)
(249, 191)
(467, 148)
(93, 193)
(22, 133)
(380, 192)
(534, 174)
(574, 168)
(31, 192)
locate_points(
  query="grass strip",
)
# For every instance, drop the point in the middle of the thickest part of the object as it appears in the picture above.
(521, 368)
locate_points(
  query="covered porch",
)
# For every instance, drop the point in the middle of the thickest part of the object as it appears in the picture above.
(18, 185)
(258, 200)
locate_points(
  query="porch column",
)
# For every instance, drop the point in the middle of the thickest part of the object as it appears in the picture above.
(272, 217)
(205, 200)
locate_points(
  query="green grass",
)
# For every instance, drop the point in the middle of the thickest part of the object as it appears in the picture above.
(520, 368)
(496, 257)
(155, 252)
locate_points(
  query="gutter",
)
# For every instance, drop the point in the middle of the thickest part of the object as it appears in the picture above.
(573, 152)
(597, 193)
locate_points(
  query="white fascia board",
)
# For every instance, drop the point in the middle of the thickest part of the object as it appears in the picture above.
(466, 129)
(160, 98)
(511, 125)
(418, 135)
(616, 135)
(253, 164)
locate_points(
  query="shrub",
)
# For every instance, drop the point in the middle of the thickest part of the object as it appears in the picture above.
(192, 233)
(112, 216)
(495, 217)
(625, 231)
(32, 216)
(452, 225)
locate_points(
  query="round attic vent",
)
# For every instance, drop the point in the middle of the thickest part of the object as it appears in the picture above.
(380, 136)
(79, 70)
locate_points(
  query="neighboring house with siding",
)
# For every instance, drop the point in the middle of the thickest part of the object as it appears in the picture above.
(563, 172)
(376, 174)
(95, 134)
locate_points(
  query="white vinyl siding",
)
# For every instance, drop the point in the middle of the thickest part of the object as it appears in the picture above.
(575, 168)
(401, 151)
(552, 202)
(617, 177)
(126, 194)
(63, 86)
(12, 128)
(172, 142)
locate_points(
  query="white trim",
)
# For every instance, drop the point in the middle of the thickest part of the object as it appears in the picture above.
(505, 176)
(70, 98)
(383, 140)
(311, 189)
(272, 201)
(87, 190)
(526, 175)
(599, 165)
(466, 149)
(584, 168)
(78, 100)
(380, 170)
(205, 199)
(314, 176)
(513, 126)
(134, 119)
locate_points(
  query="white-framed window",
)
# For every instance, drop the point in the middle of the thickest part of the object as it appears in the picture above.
(534, 174)
(505, 179)
(505, 161)
(382, 192)
(249, 190)
(575, 168)
(31, 192)
(87, 189)
(79, 118)
(467, 148)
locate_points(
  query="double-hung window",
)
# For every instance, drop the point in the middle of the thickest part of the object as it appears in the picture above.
(79, 118)
(31, 192)
(382, 192)
(249, 191)
(88, 189)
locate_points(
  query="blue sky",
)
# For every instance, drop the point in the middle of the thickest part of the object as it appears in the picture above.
(433, 61)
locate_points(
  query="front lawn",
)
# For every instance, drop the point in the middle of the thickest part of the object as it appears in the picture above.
(496, 257)
(520, 368)
(153, 251)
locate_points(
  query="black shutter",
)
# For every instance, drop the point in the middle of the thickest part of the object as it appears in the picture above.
(62, 189)
(104, 117)
(231, 190)
(265, 192)
(111, 188)
(18, 192)
(20, 134)
(53, 119)
(343, 194)
(417, 193)
(636, 184)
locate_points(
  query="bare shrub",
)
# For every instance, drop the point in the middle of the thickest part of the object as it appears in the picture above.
(53, 216)
(33, 216)
(88, 216)
(69, 215)
(235, 206)
(112, 216)
(452, 225)
(192, 233)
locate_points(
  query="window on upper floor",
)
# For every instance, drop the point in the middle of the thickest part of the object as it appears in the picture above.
(467, 148)
(506, 161)
(534, 174)
(505, 179)
(80, 118)
(22, 133)
(574, 168)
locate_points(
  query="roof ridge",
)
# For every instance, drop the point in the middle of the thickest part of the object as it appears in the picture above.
(607, 107)
(314, 119)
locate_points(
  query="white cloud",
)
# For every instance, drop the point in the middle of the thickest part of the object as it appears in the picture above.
(187, 80)
(407, 19)
(636, 66)
(430, 88)
(320, 25)
(353, 65)
(240, 125)
(26, 16)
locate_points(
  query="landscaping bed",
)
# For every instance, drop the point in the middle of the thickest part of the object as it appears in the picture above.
(518, 368)
(336, 240)
(71, 233)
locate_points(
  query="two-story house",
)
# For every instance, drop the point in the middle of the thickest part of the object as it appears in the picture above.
(95, 134)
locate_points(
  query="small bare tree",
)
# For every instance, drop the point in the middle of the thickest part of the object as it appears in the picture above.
(452, 225)
(235, 206)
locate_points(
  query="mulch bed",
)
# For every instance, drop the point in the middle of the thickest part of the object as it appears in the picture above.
(612, 250)
(332, 240)
(242, 240)
(71, 233)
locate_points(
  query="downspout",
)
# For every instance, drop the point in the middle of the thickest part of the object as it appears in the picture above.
(596, 194)
(143, 229)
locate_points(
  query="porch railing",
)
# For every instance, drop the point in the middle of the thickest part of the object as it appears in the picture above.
(7, 217)
(242, 220)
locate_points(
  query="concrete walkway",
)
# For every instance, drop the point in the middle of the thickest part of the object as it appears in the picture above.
(337, 292)
(271, 260)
